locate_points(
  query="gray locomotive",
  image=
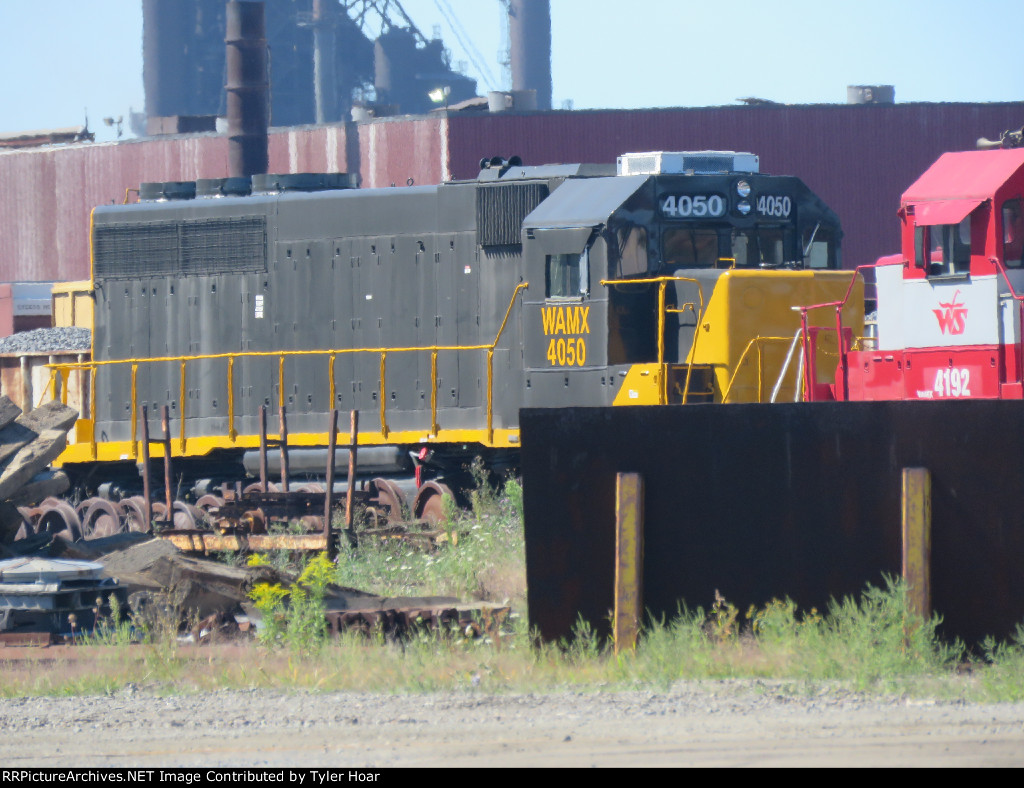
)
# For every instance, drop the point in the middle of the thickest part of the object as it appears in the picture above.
(439, 311)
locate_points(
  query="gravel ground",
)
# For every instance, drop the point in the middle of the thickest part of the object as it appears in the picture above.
(693, 724)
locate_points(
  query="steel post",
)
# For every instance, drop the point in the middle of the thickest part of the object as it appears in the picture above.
(146, 492)
(629, 559)
(165, 423)
(917, 537)
(352, 449)
(332, 443)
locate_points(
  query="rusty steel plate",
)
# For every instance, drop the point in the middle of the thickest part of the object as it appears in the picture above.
(772, 501)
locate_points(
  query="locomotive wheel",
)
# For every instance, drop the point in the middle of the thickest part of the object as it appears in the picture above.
(311, 524)
(255, 487)
(254, 521)
(135, 515)
(390, 497)
(429, 503)
(208, 503)
(208, 507)
(186, 517)
(60, 519)
(29, 516)
(102, 518)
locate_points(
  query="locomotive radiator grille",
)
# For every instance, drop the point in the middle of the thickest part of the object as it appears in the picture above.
(206, 246)
(501, 210)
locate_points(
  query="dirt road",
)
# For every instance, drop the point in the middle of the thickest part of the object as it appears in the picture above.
(705, 724)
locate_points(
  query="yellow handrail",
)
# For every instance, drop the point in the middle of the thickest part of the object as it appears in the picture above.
(434, 350)
(743, 356)
(662, 282)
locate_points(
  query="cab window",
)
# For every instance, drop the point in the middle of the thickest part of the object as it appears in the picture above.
(689, 247)
(761, 246)
(819, 250)
(568, 275)
(1013, 234)
(944, 249)
(632, 251)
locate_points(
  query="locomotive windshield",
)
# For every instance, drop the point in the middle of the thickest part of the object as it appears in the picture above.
(708, 247)
(754, 221)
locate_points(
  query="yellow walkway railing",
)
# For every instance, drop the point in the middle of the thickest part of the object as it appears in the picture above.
(663, 312)
(60, 373)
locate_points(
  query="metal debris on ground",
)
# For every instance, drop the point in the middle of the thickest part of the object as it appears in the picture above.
(44, 601)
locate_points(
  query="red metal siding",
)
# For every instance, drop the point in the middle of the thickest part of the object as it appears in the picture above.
(393, 151)
(48, 194)
(320, 149)
(858, 158)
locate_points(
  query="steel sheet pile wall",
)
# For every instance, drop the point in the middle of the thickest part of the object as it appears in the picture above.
(773, 501)
(858, 159)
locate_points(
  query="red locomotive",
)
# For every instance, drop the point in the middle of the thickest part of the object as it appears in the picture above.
(950, 317)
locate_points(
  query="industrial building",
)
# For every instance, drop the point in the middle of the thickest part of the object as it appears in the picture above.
(858, 156)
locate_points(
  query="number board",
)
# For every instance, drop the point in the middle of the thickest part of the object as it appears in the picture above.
(778, 206)
(693, 206)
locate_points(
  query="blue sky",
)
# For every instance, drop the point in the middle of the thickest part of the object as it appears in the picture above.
(62, 58)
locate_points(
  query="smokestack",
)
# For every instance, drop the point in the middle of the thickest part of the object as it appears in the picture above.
(529, 23)
(324, 76)
(247, 89)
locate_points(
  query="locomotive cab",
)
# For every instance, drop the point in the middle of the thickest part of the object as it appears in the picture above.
(673, 281)
(949, 307)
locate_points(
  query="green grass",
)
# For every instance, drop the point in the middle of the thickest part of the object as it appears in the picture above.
(482, 557)
(869, 644)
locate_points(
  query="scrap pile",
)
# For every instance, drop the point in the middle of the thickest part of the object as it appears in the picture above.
(28, 444)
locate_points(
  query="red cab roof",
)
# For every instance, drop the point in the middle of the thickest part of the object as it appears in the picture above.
(965, 176)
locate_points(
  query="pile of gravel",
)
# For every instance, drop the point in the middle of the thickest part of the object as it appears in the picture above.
(48, 340)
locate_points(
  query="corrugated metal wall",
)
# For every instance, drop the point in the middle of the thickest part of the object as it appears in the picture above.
(858, 158)
(393, 151)
(48, 193)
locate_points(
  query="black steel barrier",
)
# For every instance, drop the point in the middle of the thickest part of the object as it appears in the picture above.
(773, 501)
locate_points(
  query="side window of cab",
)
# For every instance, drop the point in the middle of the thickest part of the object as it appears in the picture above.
(1013, 233)
(568, 275)
(944, 249)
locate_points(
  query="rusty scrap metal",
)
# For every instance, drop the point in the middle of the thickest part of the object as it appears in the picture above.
(467, 620)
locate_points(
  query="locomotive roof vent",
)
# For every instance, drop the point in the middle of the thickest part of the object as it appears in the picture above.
(303, 182)
(171, 190)
(223, 187)
(705, 162)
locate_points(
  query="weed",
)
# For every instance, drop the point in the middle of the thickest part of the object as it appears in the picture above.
(113, 630)
(295, 616)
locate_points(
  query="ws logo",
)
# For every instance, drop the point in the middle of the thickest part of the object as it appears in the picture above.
(952, 317)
